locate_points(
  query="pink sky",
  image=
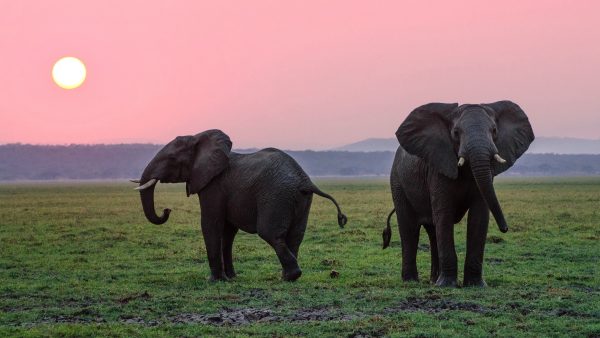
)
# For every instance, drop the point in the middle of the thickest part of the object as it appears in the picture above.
(291, 74)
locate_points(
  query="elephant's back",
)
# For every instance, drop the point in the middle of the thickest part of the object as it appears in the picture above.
(270, 167)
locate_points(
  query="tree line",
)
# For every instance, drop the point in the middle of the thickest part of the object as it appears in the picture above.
(122, 161)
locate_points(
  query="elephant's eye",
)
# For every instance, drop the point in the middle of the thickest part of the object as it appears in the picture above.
(455, 133)
(494, 132)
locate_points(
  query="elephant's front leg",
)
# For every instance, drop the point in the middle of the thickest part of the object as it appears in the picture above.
(228, 236)
(477, 226)
(444, 231)
(435, 260)
(212, 230)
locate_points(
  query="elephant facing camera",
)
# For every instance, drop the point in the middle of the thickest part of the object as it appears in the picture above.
(443, 169)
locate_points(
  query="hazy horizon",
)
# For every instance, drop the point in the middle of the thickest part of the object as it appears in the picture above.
(309, 75)
(568, 144)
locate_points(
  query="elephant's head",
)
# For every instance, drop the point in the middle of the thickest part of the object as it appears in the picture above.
(488, 138)
(195, 160)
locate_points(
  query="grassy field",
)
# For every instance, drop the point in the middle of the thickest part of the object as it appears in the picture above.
(81, 260)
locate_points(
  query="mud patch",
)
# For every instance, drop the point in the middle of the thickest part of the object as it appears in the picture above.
(138, 321)
(434, 304)
(227, 317)
(69, 320)
(234, 317)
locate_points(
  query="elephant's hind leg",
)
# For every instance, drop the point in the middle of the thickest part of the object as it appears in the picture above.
(228, 236)
(409, 237)
(295, 234)
(273, 227)
(435, 262)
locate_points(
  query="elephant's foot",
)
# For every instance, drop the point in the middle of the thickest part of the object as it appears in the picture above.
(230, 274)
(446, 281)
(218, 278)
(475, 282)
(433, 278)
(410, 278)
(292, 275)
(410, 274)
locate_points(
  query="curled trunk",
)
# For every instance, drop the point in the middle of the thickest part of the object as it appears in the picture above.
(481, 168)
(147, 196)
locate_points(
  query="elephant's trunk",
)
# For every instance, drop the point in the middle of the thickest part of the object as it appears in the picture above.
(481, 168)
(147, 196)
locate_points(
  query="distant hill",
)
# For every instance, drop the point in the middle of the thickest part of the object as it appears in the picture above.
(371, 144)
(564, 145)
(541, 145)
(123, 161)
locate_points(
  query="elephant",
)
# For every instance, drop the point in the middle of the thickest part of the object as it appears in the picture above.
(265, 192)
(445, 166)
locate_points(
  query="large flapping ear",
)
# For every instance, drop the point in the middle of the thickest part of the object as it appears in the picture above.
(514, 133)
(426, 134)
(210, 158)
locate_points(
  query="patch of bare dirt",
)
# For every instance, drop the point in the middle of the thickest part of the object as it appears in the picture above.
(68, 319)
(303, 315)
(245, 316)
(138, 321)
(227, 317)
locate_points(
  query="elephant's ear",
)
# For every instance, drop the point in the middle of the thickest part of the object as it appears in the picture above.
(426, 134)
(210, 158)
(514, 133)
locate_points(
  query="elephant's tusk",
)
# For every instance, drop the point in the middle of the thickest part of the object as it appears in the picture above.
(146, 185)
(461, 161)
(499, 159)
(134, 181)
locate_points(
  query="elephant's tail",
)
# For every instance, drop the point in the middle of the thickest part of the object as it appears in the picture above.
(387, 232)
(342, 219)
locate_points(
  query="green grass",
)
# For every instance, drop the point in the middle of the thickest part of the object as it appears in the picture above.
(81, 260)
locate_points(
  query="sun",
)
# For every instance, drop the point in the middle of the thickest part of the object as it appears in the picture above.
(69, 72)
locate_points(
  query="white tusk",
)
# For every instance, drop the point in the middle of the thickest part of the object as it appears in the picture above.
(461, 161)
(499, 159)
(146, 185)
(134, 181)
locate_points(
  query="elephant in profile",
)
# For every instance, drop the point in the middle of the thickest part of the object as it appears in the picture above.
(265, 192)
(445, 166)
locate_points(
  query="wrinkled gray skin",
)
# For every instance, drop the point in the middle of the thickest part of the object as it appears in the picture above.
(429, 188)
(266, 192)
